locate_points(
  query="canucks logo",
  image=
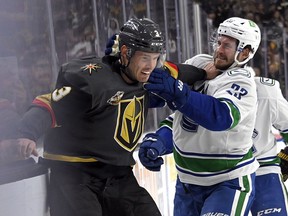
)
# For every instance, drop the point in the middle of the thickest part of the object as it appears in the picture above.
(236, 72)
(130, 122)
(267, 81)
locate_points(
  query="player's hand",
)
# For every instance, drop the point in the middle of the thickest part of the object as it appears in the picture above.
(17, 149)
(112, 46)
(211, 71)
(150, 151)
(283, 155)
(173, 91)
(26, 148)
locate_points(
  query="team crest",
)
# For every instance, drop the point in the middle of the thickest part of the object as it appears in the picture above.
(239, 72)
(91, 67)
(115, 99)
(267, 81)
(130, 122)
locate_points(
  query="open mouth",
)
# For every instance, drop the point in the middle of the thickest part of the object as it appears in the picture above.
(146, 72)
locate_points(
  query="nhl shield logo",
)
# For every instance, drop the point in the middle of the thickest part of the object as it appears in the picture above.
(130, 122)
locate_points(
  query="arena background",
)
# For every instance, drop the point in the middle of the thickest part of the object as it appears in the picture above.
(37, 36)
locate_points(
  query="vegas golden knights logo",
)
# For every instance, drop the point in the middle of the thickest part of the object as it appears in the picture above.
(130, 122)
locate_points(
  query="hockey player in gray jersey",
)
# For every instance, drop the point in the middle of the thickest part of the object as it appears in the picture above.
(212, 131)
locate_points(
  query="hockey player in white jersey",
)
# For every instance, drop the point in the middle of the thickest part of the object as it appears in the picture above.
(271, 194)
(212, 131)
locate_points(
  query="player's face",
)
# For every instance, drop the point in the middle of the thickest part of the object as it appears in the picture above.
(142, 64)
(225, 52)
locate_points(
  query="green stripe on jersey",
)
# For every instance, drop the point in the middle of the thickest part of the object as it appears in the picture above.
(167, 123)
(234, 112)
(269, 162)
(284, 136)
(206, 163)
(241, 204)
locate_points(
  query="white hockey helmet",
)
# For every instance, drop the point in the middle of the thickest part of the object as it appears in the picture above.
(245, 31)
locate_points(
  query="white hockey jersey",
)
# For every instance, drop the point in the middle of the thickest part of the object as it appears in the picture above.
(205, 157)
(272, 111)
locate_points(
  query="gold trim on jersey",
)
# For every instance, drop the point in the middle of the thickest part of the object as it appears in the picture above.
(283, 156)
(66, 158)
(173, 69)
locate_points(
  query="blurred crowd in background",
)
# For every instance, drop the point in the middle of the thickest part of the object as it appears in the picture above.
(272, 18)
(37, 35)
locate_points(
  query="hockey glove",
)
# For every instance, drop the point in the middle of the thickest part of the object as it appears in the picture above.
(173, 91)
(112, 46)
(283, 155)
(150, 150)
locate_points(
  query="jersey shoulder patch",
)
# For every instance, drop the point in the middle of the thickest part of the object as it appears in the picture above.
(267, 81)
(239, 71)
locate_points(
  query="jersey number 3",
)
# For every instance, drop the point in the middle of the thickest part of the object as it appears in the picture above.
(237, 91)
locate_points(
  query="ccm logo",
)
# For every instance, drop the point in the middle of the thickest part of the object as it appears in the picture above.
(269, 211)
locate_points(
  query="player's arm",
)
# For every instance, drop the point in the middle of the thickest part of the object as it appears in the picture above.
(11, 148)
(38, 118)
(184, 72)
(190, 74)
(281, 123)
(206, 110)
(280, 119)
(33, 125)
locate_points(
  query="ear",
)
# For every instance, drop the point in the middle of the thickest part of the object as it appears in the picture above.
(244, 54)
(124, 52)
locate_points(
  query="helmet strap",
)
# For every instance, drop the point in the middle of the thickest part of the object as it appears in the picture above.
(125, 71)
(238, 62)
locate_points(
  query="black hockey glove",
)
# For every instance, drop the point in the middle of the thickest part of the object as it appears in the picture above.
(283, 155)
